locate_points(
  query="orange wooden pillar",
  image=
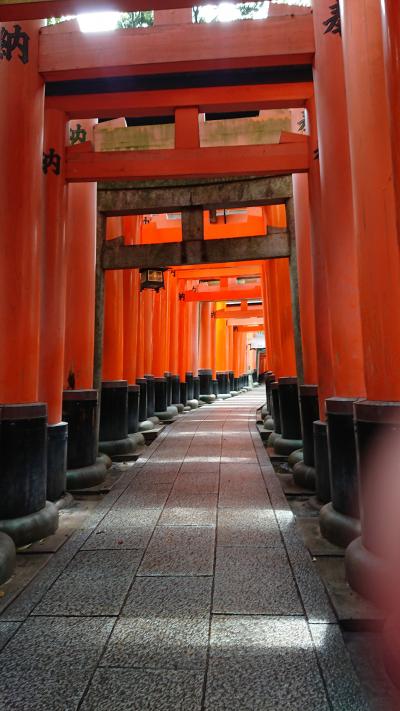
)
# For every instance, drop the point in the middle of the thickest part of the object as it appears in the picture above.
(304, 265)
(337, 205)
(322, 305)
(379, 279)
(113, 344)
(81, 264)
(173, 332)
(131, 231)
(80, 400)
(114, 440)
(53, 302)
(391, 44)
(131, 287)
(205, 357)
(52, 335)
(158, 361)
(220, 340)
(21, 202)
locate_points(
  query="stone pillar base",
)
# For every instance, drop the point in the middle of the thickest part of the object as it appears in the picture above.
(193, 404)
(337, 527)
(84, 477)
(208, 399)
(64, 502)
(295, 457)
(146, 425)
(7, 557)
(119, 449)
(370, 575)
(33, 527)
(304, 475)
(286, 446)
(168, 415)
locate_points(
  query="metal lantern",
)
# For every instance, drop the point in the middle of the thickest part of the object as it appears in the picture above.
(152, 278)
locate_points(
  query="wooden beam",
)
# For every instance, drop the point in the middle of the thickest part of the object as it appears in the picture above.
(219, 271)
(173, 198)
(85, 165)
(239, 293)
(240, 313)
(117, 255)
(247, 329)
(65, 53)
(218, 99)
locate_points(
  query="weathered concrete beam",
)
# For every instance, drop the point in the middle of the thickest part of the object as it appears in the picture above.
(173, 198)
(117, 255)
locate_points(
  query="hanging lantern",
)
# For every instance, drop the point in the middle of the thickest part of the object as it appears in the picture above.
(152, 278)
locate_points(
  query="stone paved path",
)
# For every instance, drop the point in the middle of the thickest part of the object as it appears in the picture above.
(187, 589)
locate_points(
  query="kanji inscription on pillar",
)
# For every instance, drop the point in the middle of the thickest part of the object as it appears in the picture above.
(11, 42)
(333, 23)
(51, 160)
(77, 134)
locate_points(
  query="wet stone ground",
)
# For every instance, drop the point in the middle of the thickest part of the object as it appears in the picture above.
(187, 587)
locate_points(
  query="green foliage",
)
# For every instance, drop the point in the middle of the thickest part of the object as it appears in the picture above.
(143, 18)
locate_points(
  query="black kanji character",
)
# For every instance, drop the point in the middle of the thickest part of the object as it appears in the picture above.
(51, 160)
(333, 23)
(11, 41)
(77, 135)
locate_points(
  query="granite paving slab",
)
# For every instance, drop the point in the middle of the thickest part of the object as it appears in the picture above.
(254, 581)
(342, 683)
(248, 527)
(7, 629)
(180, 550)
(48, 663)
(199, 467)
(263, 664)
(144, 690)
(163, 625)
(196, 483)
(236, 493)
(184, 509)
(124, 529)
(94, 583)
(144, 495)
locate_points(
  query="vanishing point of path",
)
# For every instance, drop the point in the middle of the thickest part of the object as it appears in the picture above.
(186, 589)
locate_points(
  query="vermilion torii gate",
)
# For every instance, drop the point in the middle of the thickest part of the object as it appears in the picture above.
(334, 63)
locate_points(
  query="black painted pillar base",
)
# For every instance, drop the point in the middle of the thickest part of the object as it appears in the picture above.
(372, 561)
(25, 515)
(276, 415)
(321, 458)
(205, 380)
(164, 412)
(189, 386)
(168, 377)
(133, 408)
(144, 423)
(151, 402)
(176, 393)
(215, 389)
(304, 472)
(290, 417)
(114, 440)
(339, 519)
(57, 440)
(84, 468)
(8, 557)
(223, 385)
(184, 398)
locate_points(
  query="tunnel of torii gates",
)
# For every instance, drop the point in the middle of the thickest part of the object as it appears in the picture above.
(203, 239)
